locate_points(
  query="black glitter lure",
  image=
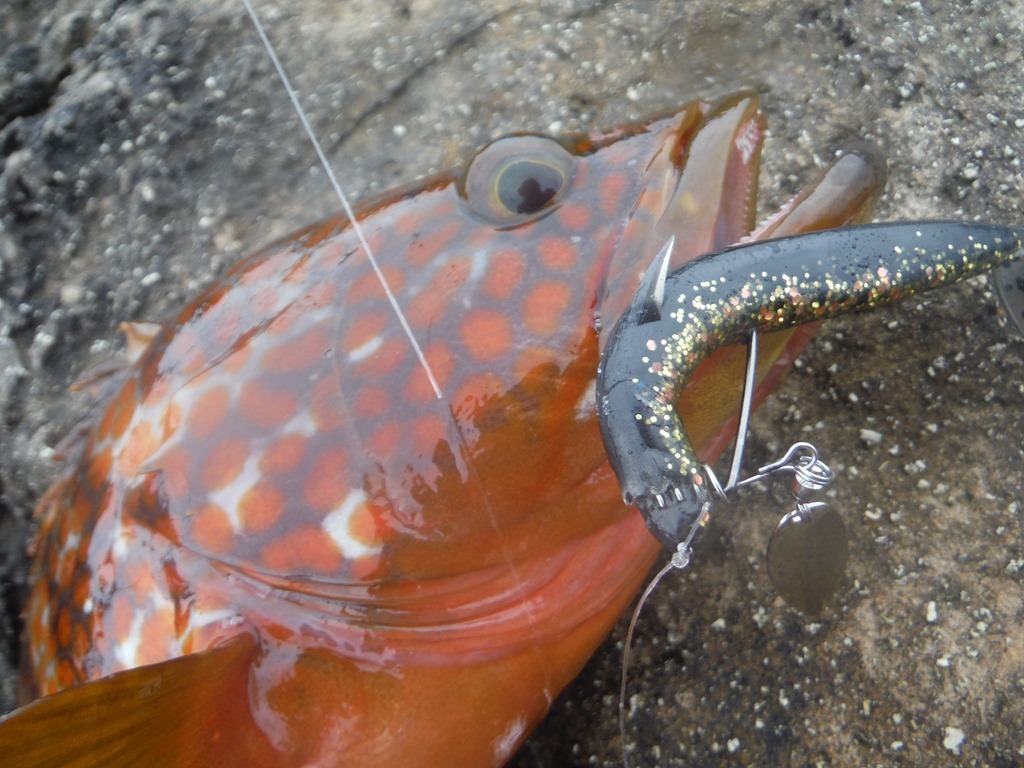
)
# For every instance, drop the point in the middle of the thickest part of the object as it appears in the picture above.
(677, 320)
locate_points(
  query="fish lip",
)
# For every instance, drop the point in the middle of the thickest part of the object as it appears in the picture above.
(715, 172)
(699, 185)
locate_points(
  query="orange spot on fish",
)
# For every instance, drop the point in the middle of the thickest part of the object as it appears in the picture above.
(366, 328)
(531, 358)
(81, 591)
(65, 674)
(122, 612)
(574, 216)
(234, 362)
(175, 467)
(505, 272)
(612, 188)
(212, 530)
(364, 526)
(300, 353)
(283, 455)
(326, 482)
(260, 507)
(266, 407)
(392, 352)
(136, 450)
(544, 306)
(223, 462)
(99, 469)
(303, 549)
(372, 401)
(64, 627)
(156, 628)
(557, 253)
(426, 432)
(367, 287)
(486, 334)
(208, 412)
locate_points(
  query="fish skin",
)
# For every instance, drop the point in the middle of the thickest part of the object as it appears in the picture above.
(148, 548)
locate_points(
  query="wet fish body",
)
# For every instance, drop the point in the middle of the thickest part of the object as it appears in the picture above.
(276, 484)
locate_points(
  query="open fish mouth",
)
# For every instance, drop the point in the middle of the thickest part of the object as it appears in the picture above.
(714, 198)
(699, 185)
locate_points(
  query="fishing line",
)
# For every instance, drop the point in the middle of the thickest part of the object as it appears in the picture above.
(464, 446)
(341, 195)
(680, 560)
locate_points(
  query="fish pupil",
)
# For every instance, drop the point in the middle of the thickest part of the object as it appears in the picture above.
(526, 186)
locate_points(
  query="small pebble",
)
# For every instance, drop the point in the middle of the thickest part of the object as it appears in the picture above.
(871, 437)
(953, 739)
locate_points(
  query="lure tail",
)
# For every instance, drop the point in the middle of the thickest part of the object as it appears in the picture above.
(763, 286)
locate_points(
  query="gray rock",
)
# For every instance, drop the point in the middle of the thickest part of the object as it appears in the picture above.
(156, 140)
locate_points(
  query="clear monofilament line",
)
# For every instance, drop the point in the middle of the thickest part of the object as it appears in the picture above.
(341, 195)
(749, 383)
(466, 450)
(680, 559)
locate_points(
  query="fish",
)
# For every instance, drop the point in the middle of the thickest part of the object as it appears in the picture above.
(276, 545)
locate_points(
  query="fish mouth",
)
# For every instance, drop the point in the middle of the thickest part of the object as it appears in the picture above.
(700, 185)
(715, 169)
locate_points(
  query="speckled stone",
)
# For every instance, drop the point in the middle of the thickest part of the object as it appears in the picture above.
(155, 141)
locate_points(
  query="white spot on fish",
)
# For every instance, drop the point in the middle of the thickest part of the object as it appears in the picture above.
(127, 650)
(364, 351)
(336, 524)
(200, 618)
(228, 497)
(122, 543)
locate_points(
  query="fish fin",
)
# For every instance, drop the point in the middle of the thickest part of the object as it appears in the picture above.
(188, 711)
(92, 379)
(95, 378)
(137, 337)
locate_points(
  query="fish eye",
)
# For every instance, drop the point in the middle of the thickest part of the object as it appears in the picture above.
(517, 178)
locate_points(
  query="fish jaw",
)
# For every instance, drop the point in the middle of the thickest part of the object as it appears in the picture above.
(701, 188)
(700, 185)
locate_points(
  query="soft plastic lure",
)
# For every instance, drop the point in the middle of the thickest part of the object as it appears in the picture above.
(677, 319)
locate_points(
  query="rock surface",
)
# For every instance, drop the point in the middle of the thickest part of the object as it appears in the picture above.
(145, 146)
